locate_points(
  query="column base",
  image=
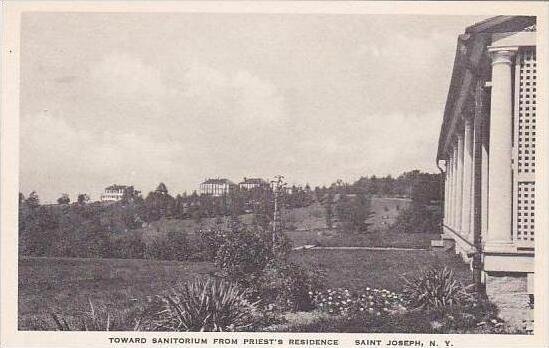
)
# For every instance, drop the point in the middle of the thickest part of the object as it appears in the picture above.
(500, 247)
(509, 292)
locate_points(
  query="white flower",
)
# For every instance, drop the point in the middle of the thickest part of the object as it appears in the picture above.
(436, 325)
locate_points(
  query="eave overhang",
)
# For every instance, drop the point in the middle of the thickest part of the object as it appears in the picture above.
(470, 65)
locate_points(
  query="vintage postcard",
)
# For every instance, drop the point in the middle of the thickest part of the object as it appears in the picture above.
(274, 174)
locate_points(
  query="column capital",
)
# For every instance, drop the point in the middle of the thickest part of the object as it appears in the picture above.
(502, 55)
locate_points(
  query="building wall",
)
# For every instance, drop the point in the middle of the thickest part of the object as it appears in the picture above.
(112, 195)
(214, 189)
(490, 173)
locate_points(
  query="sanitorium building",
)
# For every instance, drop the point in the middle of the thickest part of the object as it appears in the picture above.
(487, 150)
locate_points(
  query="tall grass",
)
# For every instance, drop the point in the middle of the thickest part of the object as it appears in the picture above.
(97, 319)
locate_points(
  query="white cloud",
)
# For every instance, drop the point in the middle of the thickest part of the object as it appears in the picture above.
(191, 96)
(78, 161)
(120, 75)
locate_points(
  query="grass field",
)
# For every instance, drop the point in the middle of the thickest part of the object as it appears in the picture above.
(356, 269)
(374, 239)
(309, 227)
(65, 285)
(312, 229)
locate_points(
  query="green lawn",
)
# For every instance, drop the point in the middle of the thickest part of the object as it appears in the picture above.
(374, 239)
(356, 269)
(65, 285)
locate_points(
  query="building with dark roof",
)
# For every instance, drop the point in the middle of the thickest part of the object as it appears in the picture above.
(487, 152)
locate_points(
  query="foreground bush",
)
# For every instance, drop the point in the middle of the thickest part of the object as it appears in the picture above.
(203, 305)
(435, 288)
(418, 218)
(285, 286)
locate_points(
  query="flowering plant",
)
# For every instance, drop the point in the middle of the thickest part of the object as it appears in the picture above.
(346, 302)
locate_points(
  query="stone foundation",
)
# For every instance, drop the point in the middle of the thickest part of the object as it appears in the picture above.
(509, 292)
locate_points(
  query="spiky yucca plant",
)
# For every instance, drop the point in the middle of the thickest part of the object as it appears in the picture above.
(204, 305)
(435, 288)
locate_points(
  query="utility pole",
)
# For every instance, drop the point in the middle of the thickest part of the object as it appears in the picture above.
(278, 185)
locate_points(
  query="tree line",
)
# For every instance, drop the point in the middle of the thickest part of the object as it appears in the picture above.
(95, 229)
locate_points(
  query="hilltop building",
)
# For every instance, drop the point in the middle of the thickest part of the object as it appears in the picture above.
(250, 183)
(114, 193)
(487, 147)
(216, 187)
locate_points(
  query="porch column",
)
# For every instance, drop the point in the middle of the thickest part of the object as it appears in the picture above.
(500, 184)
(476, 178)
(477, 198)
(448, 184)
(484, 164)
(454, 188)
(451, 193)
(449, 210)
(446, 189)
(459, 183)
(467, 176)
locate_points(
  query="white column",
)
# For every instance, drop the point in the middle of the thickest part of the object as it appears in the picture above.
(451, 189)
(446, 190)
(467, 177)
(454, 187)
(484, 162)
(459, 182)
(475, 176)
(500, 184)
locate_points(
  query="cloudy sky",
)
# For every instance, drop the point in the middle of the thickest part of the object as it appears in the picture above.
(144, 98)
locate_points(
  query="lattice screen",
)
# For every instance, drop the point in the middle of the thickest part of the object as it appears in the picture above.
(525, 211)
(525, 144)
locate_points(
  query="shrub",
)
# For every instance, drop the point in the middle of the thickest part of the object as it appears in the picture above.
(284, 286)
(244, 254)
(353, 212)
(418, 218)
(435, 288)
(129, 246)
(212, 239)
(245, 251)
(204, 305)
